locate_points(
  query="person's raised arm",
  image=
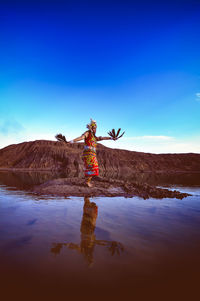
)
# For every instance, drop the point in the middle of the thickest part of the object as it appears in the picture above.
(79, 138)
(100, 138)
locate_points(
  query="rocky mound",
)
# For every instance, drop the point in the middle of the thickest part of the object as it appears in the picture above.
(104, 187)
(52, 155)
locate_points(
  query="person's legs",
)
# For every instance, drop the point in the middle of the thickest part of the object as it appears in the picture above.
(88, 181)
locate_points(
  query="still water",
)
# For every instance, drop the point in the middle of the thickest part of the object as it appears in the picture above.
(108, 244)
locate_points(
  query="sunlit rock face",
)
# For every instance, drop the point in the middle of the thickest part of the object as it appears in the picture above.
(51, 155)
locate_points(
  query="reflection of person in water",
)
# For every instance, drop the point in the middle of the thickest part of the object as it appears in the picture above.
(88, 238)
(88, 224)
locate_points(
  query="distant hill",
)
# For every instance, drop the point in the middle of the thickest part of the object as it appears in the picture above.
(54, 156)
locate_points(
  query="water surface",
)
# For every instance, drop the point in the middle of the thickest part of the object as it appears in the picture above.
(113, 244)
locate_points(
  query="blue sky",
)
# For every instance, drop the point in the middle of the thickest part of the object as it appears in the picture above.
(134, 65)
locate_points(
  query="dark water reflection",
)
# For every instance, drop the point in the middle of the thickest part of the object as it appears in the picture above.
(26, 180)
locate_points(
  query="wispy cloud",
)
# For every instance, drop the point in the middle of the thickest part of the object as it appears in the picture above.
(10, 136)
(197, 96)
(153, 138)
(157, 144)
(10, 127)
(24, 136)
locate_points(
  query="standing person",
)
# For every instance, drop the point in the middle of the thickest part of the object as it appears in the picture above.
(89, 153)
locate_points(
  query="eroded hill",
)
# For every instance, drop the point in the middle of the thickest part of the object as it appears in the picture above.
(53, 155)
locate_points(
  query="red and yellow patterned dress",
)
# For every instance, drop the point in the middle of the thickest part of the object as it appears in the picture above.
(89, 156)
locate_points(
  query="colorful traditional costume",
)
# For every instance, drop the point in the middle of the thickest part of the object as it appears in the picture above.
(89, 153)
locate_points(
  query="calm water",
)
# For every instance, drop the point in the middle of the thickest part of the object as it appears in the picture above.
(97, 244)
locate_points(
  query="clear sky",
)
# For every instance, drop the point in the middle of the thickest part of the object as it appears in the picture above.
(128, 64)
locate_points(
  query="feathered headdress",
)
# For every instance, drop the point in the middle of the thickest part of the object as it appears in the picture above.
(91, 124)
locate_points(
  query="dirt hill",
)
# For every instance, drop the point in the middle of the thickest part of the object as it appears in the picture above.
(52, 155)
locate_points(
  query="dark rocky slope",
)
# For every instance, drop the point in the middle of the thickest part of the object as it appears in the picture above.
(52, 155)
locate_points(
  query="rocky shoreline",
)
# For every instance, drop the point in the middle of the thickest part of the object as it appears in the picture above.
(105, 188)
